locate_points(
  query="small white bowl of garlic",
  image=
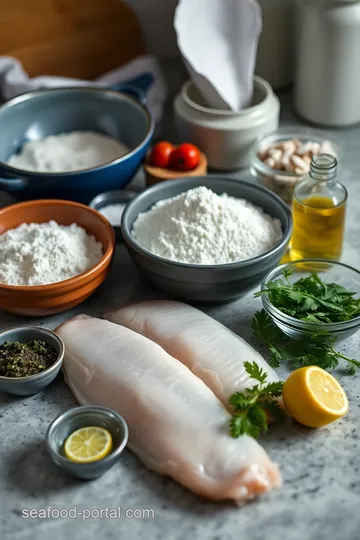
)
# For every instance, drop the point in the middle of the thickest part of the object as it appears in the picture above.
(282, 159)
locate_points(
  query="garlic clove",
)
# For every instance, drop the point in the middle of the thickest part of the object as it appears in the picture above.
(299, 163)
(270, 162)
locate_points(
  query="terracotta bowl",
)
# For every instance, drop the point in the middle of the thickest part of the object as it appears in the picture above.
(56, 297)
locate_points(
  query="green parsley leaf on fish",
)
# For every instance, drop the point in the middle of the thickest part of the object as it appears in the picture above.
(252, 407)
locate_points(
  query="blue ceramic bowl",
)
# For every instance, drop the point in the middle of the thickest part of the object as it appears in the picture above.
(119, 113)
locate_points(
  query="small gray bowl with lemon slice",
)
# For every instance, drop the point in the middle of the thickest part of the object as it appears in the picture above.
(85, 417)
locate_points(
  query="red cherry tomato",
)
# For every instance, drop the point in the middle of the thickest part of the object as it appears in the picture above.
(160, 154)
(185, 157)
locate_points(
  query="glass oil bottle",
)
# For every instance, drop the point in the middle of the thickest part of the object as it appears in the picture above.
(318, 207)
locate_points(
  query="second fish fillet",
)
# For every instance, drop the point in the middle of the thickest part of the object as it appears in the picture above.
(177, 426)
(214, 353)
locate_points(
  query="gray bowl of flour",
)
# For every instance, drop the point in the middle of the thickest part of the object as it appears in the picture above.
(209, 283)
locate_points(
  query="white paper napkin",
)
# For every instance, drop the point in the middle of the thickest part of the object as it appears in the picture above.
(218, 40)
(14, 80)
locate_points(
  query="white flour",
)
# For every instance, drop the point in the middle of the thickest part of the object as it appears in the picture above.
(43, 253)
(200, 227)
(113, 213)
(68, 152)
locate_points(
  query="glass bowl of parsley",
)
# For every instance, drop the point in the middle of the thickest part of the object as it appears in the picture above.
(313, 299)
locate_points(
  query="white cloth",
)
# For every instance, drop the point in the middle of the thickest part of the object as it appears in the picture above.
(219, 48)
(14, 80)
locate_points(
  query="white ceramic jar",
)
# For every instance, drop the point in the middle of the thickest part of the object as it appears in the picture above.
(226, 136)
(275, 56)
(327, 80)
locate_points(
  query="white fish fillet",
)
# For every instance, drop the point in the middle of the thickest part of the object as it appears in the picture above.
(177, 426)
(211, 351)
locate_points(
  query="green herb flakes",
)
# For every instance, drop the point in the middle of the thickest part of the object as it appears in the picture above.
(21, 359)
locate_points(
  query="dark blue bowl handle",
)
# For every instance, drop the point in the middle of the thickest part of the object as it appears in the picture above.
(136, 87)
(8, 182)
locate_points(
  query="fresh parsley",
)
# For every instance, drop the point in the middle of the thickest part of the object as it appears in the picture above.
(311, 299)
(318, 350)
(252, 407)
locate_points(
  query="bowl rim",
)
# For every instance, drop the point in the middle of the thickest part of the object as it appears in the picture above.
(258, 81)
(226, 266)
(75, 411)
(41, 374)
(304, 325)
(28, 96)
(286, 133)
(103, 261)
(121, 196)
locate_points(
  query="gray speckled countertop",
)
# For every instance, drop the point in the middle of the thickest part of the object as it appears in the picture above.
(319, 500)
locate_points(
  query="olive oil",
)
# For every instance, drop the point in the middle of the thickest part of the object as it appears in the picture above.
(319, 206)
(318, 228)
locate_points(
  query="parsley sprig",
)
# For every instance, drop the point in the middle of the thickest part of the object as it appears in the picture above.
(252, 407)
(311, 299)
(318, 350)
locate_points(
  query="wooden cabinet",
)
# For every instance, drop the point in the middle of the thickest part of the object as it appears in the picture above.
(71, 38)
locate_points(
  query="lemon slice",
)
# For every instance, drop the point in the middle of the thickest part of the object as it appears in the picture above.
(88, 444)
(314, 397)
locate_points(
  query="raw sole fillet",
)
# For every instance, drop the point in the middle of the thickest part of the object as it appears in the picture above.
(211, 351)
(177, 426)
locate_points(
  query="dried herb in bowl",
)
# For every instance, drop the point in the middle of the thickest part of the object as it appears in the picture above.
(22, 359)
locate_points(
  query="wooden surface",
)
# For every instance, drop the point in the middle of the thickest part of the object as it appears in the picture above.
(72, 38)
